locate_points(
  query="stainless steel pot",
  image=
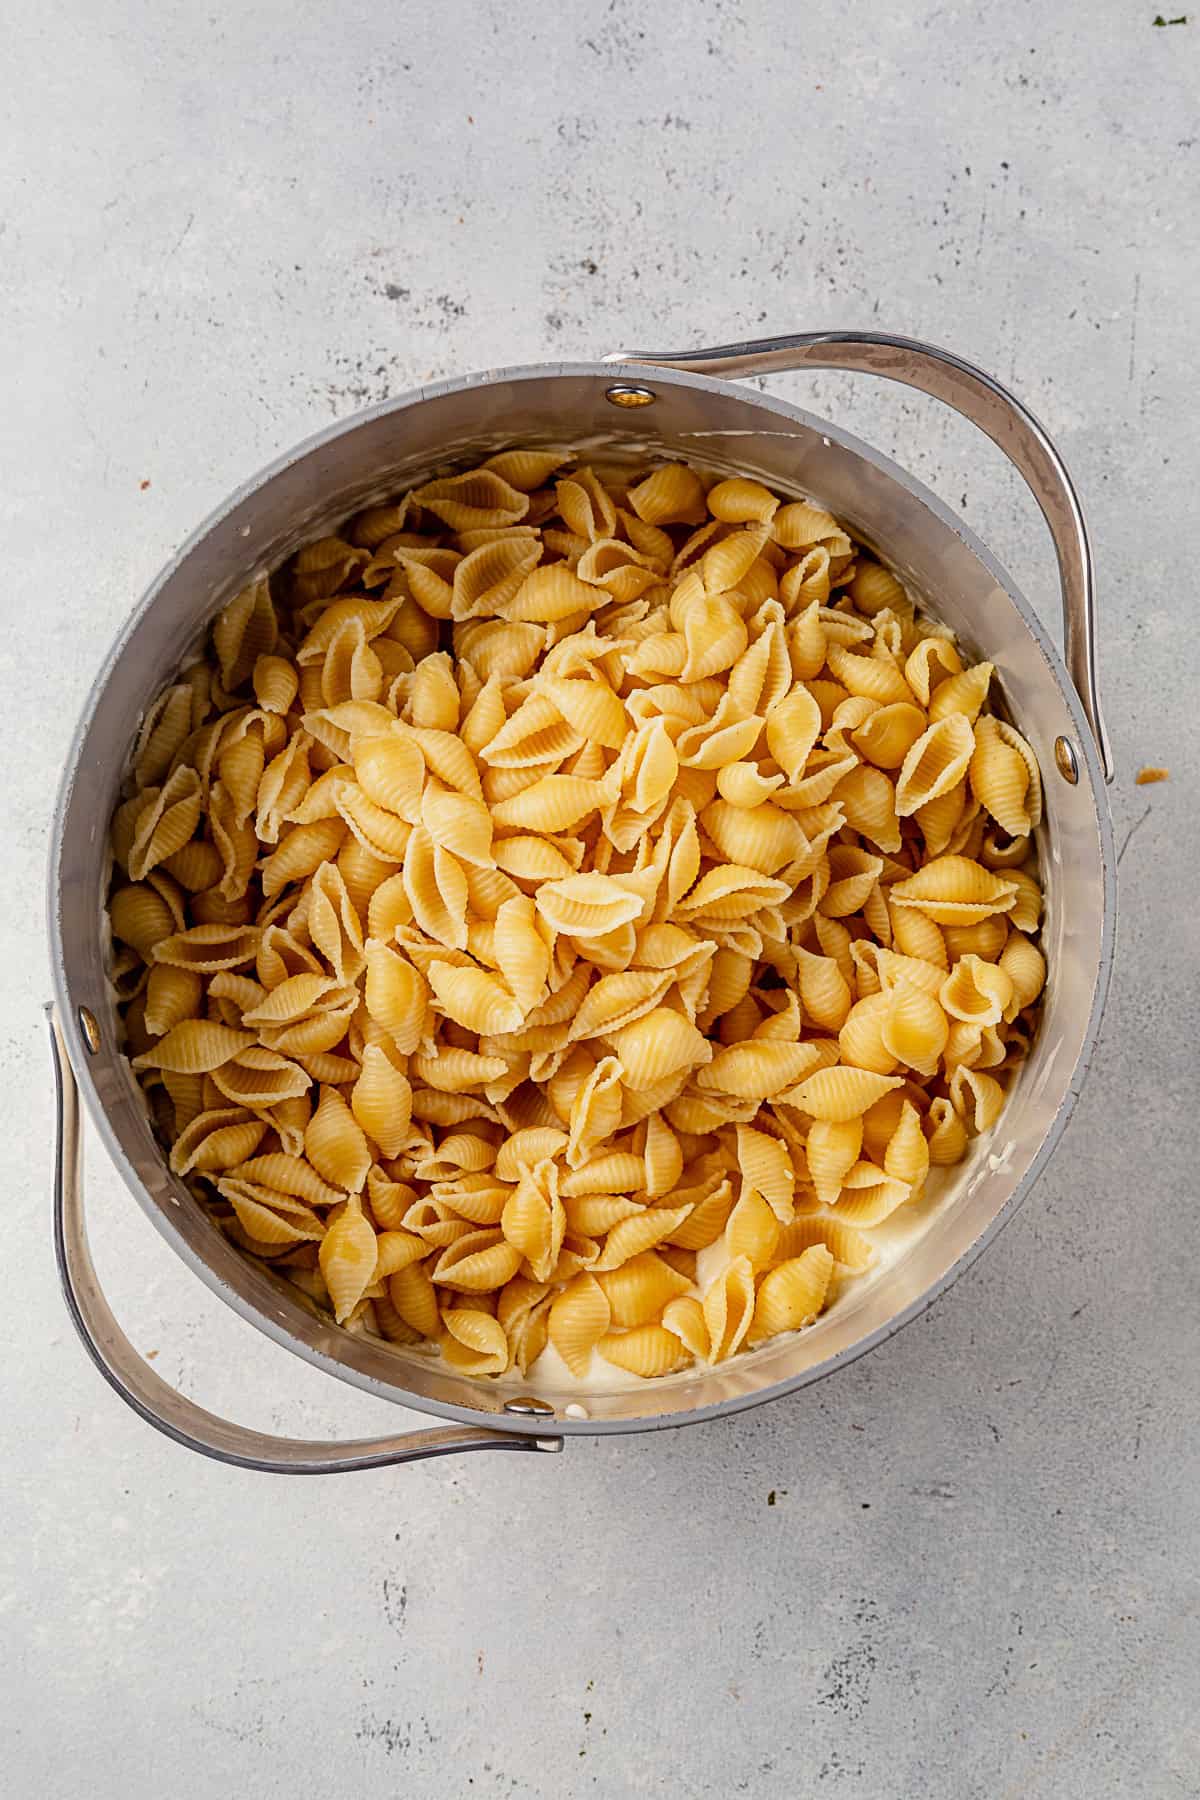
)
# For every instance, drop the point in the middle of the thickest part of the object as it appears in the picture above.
(661, 404)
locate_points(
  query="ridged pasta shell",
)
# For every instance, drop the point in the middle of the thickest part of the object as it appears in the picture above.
(831, 1152)
(194, 1047)
(382, 1101)
(791, 1295)
(728, 1309)
(579, 1318)
(474, 1342)
(639, 1289)
(478, 1263)
(217, 1140)
(731, 892)
(953, 890)
(642, 1231)
(348, 1256)
(587, 905)
(936, 763)
(758, 1071)
(657, 1045)
(869, 1196)
(647, 1350)
(840, 1093)
(767, 1168)
(335, 1145)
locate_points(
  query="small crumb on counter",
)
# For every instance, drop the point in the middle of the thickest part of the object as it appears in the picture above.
(1152, 773)
(575, 1411)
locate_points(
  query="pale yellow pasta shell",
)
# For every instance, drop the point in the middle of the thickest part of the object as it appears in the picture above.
(963, 693)
(914, 1027)
(840, 1093)
(849, 1247)
(216, 1141)
(348, 1256)
(953, 890)
(791, 1295)
(767, 1168)
(869, 1196)
(831, 1152)
(335, 1144)
(728, 1309)
(579, 1318)
(195, 1046)
(638, 1291)
(758, 1071)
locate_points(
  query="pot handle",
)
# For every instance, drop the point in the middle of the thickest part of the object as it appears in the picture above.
(982, 400)
(172, 1413)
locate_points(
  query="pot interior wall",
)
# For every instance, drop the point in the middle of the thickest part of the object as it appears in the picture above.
(724, 428)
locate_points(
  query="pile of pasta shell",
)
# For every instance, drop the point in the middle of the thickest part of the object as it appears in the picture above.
(575, 906)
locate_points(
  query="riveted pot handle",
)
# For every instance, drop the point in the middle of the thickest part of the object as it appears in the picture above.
(982, 400)
(177, 1417)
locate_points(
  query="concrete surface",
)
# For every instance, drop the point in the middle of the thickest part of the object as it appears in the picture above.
(222, 227)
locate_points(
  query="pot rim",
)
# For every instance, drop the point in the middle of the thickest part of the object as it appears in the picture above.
(79, 1053)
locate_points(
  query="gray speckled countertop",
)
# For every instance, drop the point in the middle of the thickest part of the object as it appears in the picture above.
(966, 1566)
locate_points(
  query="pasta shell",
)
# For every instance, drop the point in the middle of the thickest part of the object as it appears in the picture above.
(595, 1110)
(847, 1246)
(874, 588)
(887, 736)
(414, 1297)
(642, 1231)
(752, 1230)
(382, 1101)
(474, 999)
(963, 693)
(552, 803)
(216, 1141)
(647, 1350)
(937, 762)
(869, 1196)
(662, 1156)
(258, 1077)
(348, 1256)
(479, 497)
(758, 1071)
(390, 770)
(953, 890)
(767, 1168)
(474, 1342)
(335, 1145)
(831, 1152)
(587, 906)
(478, 1263)
(672, 495)
(171, 996)
(728, 1309)
(914, 1028)
(638, 1291)
(579, 1318)
(791, 1295)
(840, 1093)
(533, 1219)
(194, 1047)
(907, 1156)
(1005, 777)
(657, 1045)
(242, 632)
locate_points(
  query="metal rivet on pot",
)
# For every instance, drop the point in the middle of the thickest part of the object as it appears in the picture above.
(90, 1029)
(624, 393)
(1067, 760)
(530, 1408)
